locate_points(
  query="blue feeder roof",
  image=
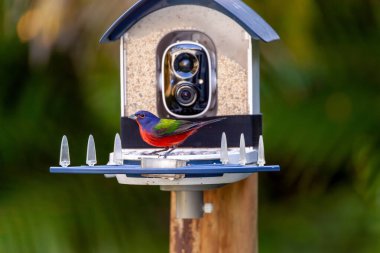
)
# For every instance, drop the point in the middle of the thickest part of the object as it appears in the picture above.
(235, 9)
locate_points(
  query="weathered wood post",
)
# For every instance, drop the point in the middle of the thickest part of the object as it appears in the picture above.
(231, 227)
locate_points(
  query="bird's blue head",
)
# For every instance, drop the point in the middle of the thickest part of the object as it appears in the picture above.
(145, 119)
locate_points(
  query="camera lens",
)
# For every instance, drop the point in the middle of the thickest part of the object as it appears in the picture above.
(186, 65)
(186, 95)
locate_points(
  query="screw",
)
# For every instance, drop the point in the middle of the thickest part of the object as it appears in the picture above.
(208, 208)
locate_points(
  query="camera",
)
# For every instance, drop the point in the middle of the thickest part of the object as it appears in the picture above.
(186, 75)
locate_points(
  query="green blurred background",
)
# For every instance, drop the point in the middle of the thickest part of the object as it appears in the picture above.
(320, 99)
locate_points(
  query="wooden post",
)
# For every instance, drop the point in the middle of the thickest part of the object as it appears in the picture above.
(230, 228)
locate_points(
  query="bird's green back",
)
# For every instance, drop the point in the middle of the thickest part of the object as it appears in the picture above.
(167, 126)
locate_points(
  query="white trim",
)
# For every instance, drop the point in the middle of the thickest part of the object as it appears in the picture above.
(250, 77)
(255, 77)
(194, 154)
(170, 180)
(123, 77)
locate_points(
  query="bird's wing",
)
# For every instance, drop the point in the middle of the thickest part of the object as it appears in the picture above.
(167, 127)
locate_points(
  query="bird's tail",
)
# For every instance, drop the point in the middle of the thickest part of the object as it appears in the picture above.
(211, 121)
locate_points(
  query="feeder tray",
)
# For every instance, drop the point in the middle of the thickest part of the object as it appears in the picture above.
(185, 167)
(188, 172)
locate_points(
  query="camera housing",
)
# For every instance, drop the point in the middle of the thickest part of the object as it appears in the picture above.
(186, 79)
(186, 73)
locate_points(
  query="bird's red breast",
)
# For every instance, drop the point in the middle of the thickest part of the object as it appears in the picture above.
(166, 141)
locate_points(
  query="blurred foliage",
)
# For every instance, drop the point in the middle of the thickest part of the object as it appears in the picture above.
(320, 99)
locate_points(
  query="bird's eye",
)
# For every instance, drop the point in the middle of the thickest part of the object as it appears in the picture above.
(141, 116)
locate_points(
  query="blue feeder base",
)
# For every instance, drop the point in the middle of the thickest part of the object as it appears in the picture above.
(204, 170)
(204, 173)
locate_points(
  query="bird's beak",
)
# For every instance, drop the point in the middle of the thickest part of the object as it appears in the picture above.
(132, 117)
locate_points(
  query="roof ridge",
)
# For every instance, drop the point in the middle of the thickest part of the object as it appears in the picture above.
(241, 13)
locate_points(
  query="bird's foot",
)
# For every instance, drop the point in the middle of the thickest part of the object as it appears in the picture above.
(168, 153)
(157, 152)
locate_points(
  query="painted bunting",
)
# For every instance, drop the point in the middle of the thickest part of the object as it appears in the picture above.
(166, 133)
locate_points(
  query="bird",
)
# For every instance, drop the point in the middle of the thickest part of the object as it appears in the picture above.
(166, 133)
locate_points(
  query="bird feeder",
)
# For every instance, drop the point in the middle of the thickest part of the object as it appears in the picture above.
(189, 60)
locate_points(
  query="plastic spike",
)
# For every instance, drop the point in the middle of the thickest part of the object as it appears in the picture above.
(261, 155)
(224, 150)
(117, 151)
(243, 154)
(64, 156)
(91, 152)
